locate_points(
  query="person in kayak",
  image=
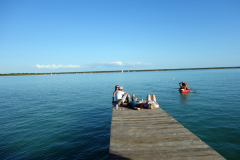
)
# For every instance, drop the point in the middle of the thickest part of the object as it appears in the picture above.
(183, 85)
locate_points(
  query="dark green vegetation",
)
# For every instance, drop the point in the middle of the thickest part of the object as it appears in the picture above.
(148, 70)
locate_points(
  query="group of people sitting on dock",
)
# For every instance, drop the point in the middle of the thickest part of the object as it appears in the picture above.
(120, 97)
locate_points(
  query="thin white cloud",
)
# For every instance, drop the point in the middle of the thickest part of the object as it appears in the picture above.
(137, 64)
(57, 66)
(109, 64)
(95, 65)
(131, 64)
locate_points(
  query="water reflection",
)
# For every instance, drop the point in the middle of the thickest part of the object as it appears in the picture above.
(184, 98)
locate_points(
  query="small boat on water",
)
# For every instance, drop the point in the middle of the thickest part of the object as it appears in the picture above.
(184, 90)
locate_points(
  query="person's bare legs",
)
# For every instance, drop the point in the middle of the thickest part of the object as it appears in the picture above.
(124, 98)
(133, 98)
(148, 98)
(154, 98)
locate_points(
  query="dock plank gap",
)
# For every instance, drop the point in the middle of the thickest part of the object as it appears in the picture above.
(153, 134)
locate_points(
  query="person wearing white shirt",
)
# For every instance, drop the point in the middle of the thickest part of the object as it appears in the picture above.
(120, 96)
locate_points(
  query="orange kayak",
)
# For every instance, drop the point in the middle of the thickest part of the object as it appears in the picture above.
(184, 90)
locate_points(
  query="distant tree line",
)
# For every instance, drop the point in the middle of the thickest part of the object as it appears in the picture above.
(87, 72)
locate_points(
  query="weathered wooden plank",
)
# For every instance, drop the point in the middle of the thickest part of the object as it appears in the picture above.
(139, 148)
(149, 136)
(150, 156)
(166, 143)
(156, 152)
(154, 134)
(202, 157)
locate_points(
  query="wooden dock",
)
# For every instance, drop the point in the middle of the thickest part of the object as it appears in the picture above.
(154, 134)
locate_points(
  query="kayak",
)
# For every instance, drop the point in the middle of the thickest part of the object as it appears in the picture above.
(184, 91)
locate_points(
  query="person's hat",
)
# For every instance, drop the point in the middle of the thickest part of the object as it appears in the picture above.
(121, 87)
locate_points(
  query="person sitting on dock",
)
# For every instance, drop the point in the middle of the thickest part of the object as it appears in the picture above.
(120, 96)
(134, 104)
(151, 103)
(183, 85)
(116, 89)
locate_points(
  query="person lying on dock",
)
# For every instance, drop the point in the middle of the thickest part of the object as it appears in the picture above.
(120, 96)
(134, 104)
(116, 89)
(151, 103)
(183, 85)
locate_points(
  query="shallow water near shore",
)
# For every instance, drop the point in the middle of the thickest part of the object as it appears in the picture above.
(69, 116)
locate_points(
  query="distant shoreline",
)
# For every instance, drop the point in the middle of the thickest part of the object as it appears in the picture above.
(89, 72)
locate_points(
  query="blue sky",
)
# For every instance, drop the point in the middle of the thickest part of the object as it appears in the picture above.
(92, 35)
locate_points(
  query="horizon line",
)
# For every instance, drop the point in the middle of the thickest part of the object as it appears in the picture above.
(145, 70)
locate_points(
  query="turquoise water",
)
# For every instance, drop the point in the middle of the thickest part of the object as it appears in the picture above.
(69, 116)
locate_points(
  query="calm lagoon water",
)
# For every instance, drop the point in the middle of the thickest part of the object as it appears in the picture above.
(69, 116)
